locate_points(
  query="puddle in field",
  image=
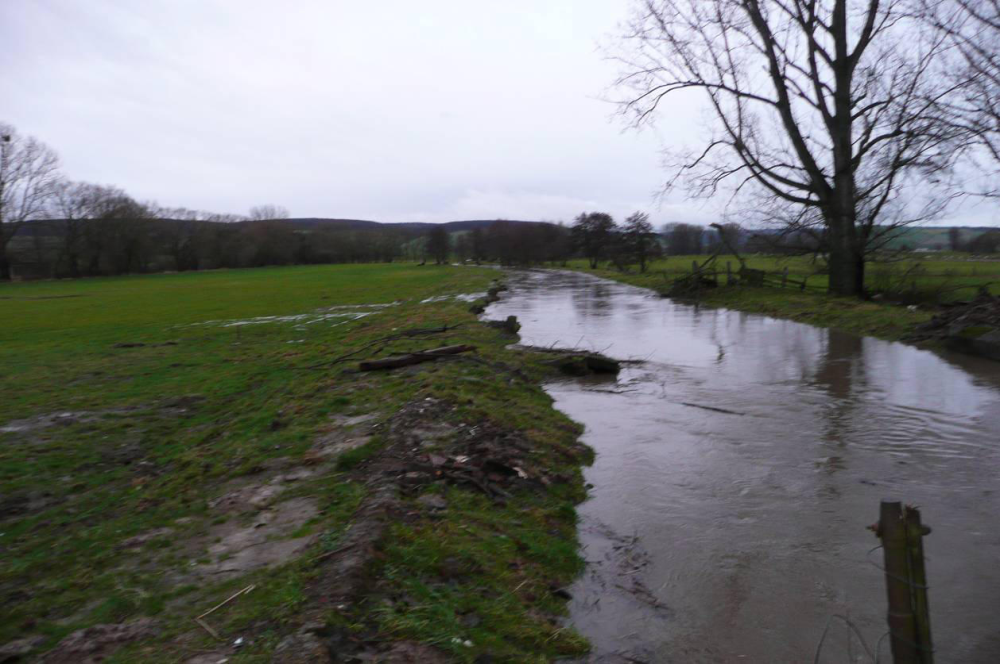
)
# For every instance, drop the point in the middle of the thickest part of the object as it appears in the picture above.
(461, 297)
(340, 314)
(738, 467)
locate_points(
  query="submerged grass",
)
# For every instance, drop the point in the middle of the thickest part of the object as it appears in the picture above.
(130, 405)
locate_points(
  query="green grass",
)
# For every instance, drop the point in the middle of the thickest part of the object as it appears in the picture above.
(160, 429)
(925, 282)
(952, 276)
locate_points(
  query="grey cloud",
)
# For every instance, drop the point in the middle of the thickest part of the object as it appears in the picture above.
(391, 110)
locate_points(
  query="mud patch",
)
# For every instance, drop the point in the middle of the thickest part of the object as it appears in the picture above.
(65, 418)
(260, 542)
(21, 504)
(138, 541)
(245, 495)
(345, 433)
(15, 650)
(95, 644)
(168, 408)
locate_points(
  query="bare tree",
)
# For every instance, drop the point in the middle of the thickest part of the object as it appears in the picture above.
(728, 237)
(593, 233)
(438, 245)
(685, 239)
(478, 248)
(834, 107)
(972, 27)
(28, 173)
(268, 213)
(73, 203)
(639, 239)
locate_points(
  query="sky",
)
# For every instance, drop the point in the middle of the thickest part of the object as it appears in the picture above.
(393, 111)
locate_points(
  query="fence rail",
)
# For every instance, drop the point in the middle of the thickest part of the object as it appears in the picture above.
(708, 275)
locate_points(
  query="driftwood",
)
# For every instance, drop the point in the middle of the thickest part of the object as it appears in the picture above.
(383, 342)
(396, 361)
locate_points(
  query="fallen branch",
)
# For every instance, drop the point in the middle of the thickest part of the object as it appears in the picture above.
(201, 619)
(711, 408)
(396, 361)
(324, 556)
(382, 342)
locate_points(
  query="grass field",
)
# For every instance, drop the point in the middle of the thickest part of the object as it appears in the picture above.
(925, 283)
(149, 423)
(954, 276)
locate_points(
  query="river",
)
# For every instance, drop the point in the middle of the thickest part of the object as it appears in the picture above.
(739, 464)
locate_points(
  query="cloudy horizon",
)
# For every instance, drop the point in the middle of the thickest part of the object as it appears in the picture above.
(347, 110)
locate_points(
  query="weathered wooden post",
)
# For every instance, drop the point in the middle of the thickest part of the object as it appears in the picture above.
(909, 635)
(729, 273)
(784, 276)
(915, 532)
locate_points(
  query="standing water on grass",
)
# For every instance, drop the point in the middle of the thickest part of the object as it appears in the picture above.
(737, 469)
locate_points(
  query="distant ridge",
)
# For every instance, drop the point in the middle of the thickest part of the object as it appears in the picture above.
(364, 224)
(55, 227)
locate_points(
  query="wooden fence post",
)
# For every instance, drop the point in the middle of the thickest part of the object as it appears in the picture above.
(784, 276)
(902, 622)
(729, 273)
(915, 532)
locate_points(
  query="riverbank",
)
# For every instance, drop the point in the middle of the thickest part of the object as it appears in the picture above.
(204, 446)
(891, 322)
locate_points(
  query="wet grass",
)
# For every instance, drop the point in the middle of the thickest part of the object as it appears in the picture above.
(154, 432)
(514, 601)
(941, 276)
(922, 282)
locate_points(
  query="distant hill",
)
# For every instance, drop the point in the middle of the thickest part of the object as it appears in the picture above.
(363, 224)
(56, 227)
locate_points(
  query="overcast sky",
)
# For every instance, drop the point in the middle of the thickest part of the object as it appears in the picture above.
(394, 111)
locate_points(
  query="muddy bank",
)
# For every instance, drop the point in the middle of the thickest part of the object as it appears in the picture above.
(968, 327)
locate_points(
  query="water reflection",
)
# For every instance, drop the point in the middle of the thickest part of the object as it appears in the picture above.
(738, 466)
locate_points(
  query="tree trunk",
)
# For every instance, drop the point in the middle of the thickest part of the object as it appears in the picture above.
(846, 261)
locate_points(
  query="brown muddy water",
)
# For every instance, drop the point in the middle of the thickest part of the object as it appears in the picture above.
(735, 534)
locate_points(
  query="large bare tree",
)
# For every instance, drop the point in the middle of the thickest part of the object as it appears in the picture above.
(972, 27)
(28, 173)
(831, 107)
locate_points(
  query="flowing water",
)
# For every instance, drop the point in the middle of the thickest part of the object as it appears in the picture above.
(739, 464)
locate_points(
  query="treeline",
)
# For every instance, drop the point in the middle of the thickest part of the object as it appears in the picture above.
(505, 242)
(51, 226)
(987, 242)
(125, 237)
(593, 235)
